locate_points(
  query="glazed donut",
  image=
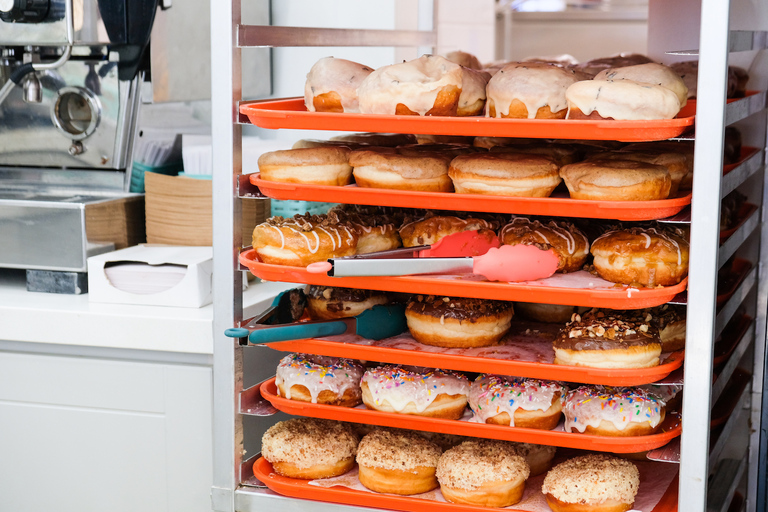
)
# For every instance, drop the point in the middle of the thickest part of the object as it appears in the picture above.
(645, 256)
(592, 483)
(566, 240)
(561, 154)
(689, 72)
(616, 412)
(317, 166)
(621, 60)
(330, 302)
(547, 313)
(483, 472)
(674, 163)
(320, 380)
(603, 339)
(524, 90)
(620, 100)
(649, 73)
(504, 174)
(427, 86)
(376, 231)
(397, 461)
(310, 448)
(472, 98)
(538, 456)
(429, 230)
(464, 59)
(332, 84)
(384, 140)
(517, 402)
(424, 171)
(616, 180)
(303, 239)
(457, 322)
(421, 392)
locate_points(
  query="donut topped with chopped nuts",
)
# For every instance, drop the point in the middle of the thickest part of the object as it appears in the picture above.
(592, 480)
(477, 462)
(456, 307)
(606, 329)
(396, 449)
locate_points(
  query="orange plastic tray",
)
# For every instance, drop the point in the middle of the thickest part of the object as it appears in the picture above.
(291, 113)
(746, 152)
(297, 488)
(670, 428)
(464, 286)
(559, 205)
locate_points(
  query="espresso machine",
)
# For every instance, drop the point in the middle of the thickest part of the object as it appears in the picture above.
(71, 74)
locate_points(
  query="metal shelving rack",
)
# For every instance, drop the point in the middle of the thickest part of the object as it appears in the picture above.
(709, 474)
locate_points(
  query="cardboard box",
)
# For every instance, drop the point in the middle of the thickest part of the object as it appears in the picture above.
(154, 275)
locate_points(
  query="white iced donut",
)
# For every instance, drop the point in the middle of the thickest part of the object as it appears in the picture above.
(332, 84)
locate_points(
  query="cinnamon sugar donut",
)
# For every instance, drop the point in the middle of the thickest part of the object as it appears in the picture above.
(457, 322)
(427, 86)
(319, 379)
(605, 339)
(592, 483)
(429, 230)
(565, 239)
(620, 100)
(483, 472)
(528, 90)
(332, 84)
(397, 462)
(331, 302)
(649, 73)
(421, 392)
(517, 402)
(317, 166)
(617, 412)
(511, 173)
(424, 171)
(642, 256)
(616, 180)
(303, 239)
(310, 448)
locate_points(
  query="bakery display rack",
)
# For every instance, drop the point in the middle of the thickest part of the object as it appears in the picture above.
(235, 486)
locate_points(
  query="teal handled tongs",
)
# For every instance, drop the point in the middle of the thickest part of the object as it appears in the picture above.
(278, 324)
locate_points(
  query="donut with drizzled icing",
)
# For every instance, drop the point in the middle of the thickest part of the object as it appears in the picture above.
(517, 402)
(332, 84)
(604, 339)
(303, 239)
(376, 231)
(566, 240)
(616, 412)
(642, 256)
(422, 392)
(429, 229)
(319, 379)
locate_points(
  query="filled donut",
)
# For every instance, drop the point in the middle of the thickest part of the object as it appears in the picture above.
(332, 84)
(592, 483)
(529, 90)
(513, 174)
(517, 402)
(607, 411)
(422, 392)
(606, 339)
(310, 448)
(397, 461)
(377, 230)
(319, 379)
(483, 472)
(331, 302)
(616, 179)
(565, 239)
(457, 322)
(326, 165)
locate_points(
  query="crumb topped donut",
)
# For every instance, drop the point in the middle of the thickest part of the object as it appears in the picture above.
(458, 322)
(649, 73)
(422, 392)
(327, 165)
(427, 86)
(604, 339)
(310, 448)
(424, 171)
(319, 379)
(529, 90)
(430, 229)
(642, 256)
(513, 174)
(624, 100)
(483, 472)
(332, 84)
(517, 402)
(592, 483)
(397, 461)
(303, 239)
(330, 302)
(617, 179)
(566, 240)
(608, 411)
